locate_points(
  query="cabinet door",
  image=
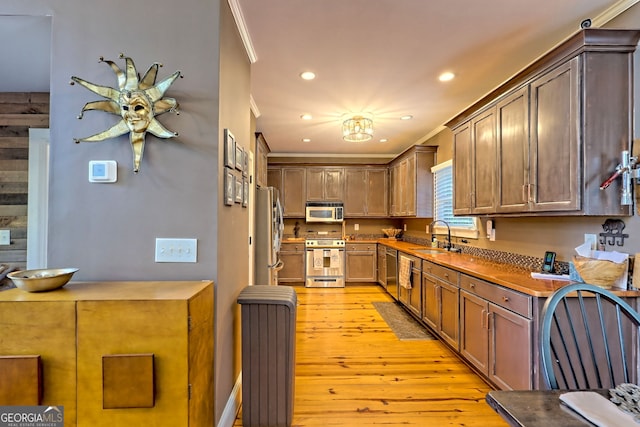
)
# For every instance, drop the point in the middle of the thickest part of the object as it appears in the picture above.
(483, 159)
(462, 170)
(376, 185)
(555, 139)
(381, 266)
(430, 301)
(293, 192)
(474, 332)
(409, 190)
(293, 268)
(513, 152)
(315, 184)
(334, 184)
(449, 314)
(414, 298)
(510, 349)
(274, 178)
(394, 185)
(360, 266)
(355, 201)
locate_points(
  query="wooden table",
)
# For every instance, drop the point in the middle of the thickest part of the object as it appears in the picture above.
(536, 408)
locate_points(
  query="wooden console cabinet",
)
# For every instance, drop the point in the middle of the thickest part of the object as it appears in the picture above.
(86, 330)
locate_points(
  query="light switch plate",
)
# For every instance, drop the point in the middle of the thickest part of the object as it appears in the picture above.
(5, 237)
(176, 250)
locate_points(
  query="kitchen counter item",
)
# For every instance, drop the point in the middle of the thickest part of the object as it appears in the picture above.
(41, 280)
(391, 233)
(599, 272)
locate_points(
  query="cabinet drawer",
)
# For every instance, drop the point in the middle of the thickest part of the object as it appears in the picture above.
(417, 262)
(292, 247)
(442, 273)
(507, 298)
(361, 246)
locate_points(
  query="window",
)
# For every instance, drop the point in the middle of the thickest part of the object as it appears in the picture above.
(461, 226)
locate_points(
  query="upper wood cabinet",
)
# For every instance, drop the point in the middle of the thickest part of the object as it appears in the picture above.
(262, 149)
(291, 182)
(558, 131)
(365, 191)
(325, 184)
(411, 183)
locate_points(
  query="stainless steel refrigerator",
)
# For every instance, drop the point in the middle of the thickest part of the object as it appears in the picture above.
(269, 227)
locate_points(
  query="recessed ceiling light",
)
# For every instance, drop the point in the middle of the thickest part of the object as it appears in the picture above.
(407, 117)
(446, 76)
(306, 139)
(384, 140)
(306, 117)
(308, 75)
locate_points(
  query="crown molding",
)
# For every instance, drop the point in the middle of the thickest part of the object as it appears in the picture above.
(236, 11)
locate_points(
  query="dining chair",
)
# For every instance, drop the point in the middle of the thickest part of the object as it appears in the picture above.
(588, 339)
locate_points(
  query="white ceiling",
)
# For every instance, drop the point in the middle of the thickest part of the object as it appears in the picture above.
(384, 57)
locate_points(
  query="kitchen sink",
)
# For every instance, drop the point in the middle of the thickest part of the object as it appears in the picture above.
(429, 251)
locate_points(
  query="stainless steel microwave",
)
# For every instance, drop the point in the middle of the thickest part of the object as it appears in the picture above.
(324, 212)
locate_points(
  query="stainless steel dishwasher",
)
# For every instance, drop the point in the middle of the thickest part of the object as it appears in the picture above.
(392, 273)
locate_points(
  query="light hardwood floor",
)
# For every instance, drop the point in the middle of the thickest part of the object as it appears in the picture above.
(351, 370)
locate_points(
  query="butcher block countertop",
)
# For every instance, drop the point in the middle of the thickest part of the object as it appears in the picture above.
(506, 275)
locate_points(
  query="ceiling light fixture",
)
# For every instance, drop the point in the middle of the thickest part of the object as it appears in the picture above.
(446, 76)
(407, 117)
(308, 75)
(357, 129)
(306, 117)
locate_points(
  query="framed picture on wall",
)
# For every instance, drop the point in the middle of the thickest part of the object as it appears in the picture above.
(245, 164)
(229, 149)
(229, 187)
(238, 191)
(245, 192)
(239, 160)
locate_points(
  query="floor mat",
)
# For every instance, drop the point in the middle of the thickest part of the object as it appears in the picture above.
(401, 323)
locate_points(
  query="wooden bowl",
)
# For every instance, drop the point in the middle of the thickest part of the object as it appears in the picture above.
(599, 272)
(391, 232)
(41, 280)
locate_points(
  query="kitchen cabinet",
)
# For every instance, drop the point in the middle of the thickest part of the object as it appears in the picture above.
(411, 183)
(325, 184)
(83, 330)
(262, 149)
(474, 165)
(382, 266)
(360, 262)
(496, 334)
(291, 181)
(412, 298)
(293, 257)
(440, 306)
(366, 192)
(560, 126)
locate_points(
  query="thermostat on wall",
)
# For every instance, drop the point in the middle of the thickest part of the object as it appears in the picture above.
(103, 171)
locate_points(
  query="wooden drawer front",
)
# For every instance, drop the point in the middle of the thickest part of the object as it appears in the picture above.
(442, 273)
(417, 262)
(507, 298)
(361, 246)
(292, 247)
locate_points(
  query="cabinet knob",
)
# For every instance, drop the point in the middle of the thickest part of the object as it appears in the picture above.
(472, 285)
(505, 299)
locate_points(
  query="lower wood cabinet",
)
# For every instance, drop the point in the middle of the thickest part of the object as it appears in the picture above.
(292, 256)
(440, 306)
(86, 332)
(496, 334)
(382, 265)
(360, 262)
(412, 298)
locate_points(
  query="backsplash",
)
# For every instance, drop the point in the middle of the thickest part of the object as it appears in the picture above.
(523, 261)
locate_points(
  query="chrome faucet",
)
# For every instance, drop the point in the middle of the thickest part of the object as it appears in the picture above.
(448, 244)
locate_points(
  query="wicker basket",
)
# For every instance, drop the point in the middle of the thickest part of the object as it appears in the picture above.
(391, 233)
(599, 272)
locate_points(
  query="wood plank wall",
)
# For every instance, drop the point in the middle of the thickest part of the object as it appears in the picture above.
(19, 111)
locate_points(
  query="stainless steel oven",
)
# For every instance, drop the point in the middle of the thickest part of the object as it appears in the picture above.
(392, 272)
(324, 263)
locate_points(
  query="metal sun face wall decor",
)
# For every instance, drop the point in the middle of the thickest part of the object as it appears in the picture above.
(137, 101)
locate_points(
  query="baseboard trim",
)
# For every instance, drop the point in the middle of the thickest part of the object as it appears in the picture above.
(233, 405)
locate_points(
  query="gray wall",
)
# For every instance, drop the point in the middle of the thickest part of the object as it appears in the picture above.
(109, 230)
